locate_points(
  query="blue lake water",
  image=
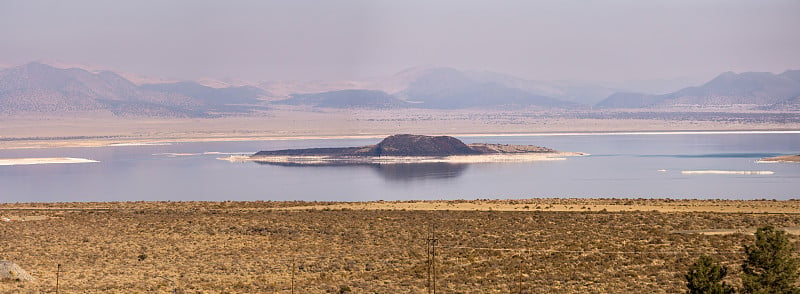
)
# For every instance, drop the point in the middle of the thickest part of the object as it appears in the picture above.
(620, 165)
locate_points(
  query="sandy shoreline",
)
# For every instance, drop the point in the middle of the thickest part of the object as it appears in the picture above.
(336, 160)
(46, 160)
(291, 124)
(45, 144)
(534, 204)
(781, 159)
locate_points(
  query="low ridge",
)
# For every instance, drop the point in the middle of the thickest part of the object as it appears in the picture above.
(419, 145)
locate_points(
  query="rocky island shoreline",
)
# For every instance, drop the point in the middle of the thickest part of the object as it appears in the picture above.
(785, 158)
(407, 148)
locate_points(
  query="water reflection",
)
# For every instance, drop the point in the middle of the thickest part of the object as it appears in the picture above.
(403, 172)
(420, 171)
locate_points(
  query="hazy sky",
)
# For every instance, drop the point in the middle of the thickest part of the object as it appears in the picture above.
(306, 40)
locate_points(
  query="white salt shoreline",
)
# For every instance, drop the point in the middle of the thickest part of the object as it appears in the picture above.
(136, 144)
(330, 160)
(727, 172)
(168, 154)
(45, 160)
(170, 141)
(544, 134)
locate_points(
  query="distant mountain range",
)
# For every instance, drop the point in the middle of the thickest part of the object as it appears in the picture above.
(443, 88)
(41, 89)
(357, 98)
(211, 96)
(417, 79)
(749, 90)
(447, 88)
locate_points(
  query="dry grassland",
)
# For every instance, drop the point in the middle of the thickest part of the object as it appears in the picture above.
(504, 246)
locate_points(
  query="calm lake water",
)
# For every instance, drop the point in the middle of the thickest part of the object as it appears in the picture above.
(620, 165)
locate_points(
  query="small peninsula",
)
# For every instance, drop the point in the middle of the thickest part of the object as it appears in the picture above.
(785, 158)
(407, 148)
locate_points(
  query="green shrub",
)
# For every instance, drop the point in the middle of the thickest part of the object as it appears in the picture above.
(770, 265)
(705, 277)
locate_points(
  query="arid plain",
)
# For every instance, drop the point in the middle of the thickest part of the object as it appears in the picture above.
(482, 246)
(35, 132)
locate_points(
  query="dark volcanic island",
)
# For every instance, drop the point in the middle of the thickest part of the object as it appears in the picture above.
(408, 149)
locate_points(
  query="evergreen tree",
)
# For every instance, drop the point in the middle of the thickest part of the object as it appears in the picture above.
(705, 277)
(770, 266)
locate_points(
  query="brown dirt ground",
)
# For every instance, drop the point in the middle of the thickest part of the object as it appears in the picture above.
(483, 246)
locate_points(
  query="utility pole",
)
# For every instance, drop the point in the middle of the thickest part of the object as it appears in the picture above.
(428, 263)
(293, 274)
(58, 276)
(431, 252)
(433, 259)
(521, 269)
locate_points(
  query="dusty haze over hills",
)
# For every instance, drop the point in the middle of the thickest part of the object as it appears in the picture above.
(306, 68)
(355, 40)
(41, 90)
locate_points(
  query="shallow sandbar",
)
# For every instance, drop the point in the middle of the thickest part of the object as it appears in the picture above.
(44, 160)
